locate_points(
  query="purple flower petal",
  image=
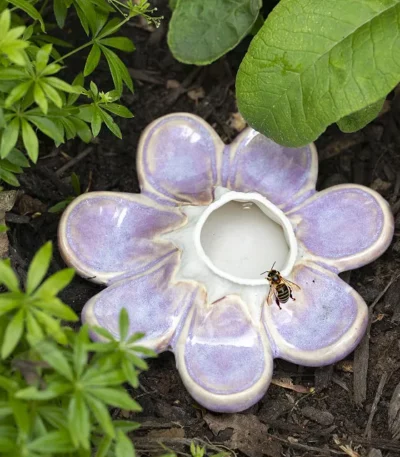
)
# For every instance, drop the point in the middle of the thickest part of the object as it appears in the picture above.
(178, 159)
(344, 227)
(224, 360)
(154, 301)
(286, 176)
(104, 235)
(323, 325)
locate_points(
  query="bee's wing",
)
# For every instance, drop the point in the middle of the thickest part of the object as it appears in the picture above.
(270, 294)
(291, 284)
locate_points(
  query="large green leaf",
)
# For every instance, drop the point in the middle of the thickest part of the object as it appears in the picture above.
(317, 61)
(359, 119)
(201, 31)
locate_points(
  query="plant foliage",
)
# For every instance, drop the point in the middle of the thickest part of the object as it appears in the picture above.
(55, 384)
(35, 98)
(316, 62)
(201, 31)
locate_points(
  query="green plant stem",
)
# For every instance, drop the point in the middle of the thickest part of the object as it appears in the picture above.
(91, 42)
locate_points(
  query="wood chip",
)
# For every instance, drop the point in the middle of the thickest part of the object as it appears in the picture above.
(7, 201)
(394, 413)
(249, 436)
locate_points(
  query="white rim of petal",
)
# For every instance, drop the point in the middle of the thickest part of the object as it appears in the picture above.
(271, 211)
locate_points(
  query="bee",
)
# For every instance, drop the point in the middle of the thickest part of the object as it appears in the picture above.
(280, 288)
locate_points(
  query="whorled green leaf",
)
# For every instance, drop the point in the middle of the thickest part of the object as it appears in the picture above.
(60, 12)
(124, 446)
(38, 267)
(315, 62)
(29, 9)
(201, 31)
(360, 119)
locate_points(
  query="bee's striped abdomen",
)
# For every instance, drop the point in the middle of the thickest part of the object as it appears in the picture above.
(283, 293)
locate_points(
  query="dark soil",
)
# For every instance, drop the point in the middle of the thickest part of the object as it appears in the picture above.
(285, 422)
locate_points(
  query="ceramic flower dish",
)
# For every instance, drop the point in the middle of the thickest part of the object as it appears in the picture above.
(184, 257)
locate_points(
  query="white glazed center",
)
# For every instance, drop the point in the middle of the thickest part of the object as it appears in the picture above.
(241, 235)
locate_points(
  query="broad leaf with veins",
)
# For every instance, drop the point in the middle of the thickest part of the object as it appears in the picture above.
(315, 62)
(201, 31)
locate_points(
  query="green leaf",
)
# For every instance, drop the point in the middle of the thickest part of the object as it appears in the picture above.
(34, 331)
(54, 442)
(111, 125)
(48, 127)
(360, 119)
(80, 353)
(56, 308)
(116, 397)
(123, 324)
(17, 93)
(119, 72)
(52, 326)
(92, 60)
(9, 385)
(3, 229)
(17, 158)
(21, 415)
(11, 74)
(30, 10)
(124, 446)
(76, 184)
(121, 43)
(6, 444)
(103, 333)
(78, 420)
(58, 207)
(33, 393)
(201, 32)
(94, 377)
(96, 120)
(89, 13)
(309, 67)
(62, 85)
(55, 358)
(30, 140)
(13, 333)
(104, 446)
(40, 98)
(42, 57)
(55, 283)
(130, 373)
(118, 110)
(126, 426)
(8, 177)
(60, 12)
(8, 277)
(52, 94)
(38, 267)
(9, 138)
(101, 415)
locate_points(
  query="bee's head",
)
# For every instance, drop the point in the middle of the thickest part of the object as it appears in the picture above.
(272, 273)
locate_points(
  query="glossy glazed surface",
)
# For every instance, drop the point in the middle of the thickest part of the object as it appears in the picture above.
(223, 334)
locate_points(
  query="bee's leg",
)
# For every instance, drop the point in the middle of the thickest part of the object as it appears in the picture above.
(277, 302)
(291, 294)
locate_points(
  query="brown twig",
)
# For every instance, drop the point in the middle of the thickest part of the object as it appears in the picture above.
(361, 355)
(74, 161)
(379, 390)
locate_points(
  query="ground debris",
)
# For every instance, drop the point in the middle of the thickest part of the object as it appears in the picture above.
(317, 415)
(249, 435)
(375, 453)
(287, 383)
(394, 413)
(7, 201)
